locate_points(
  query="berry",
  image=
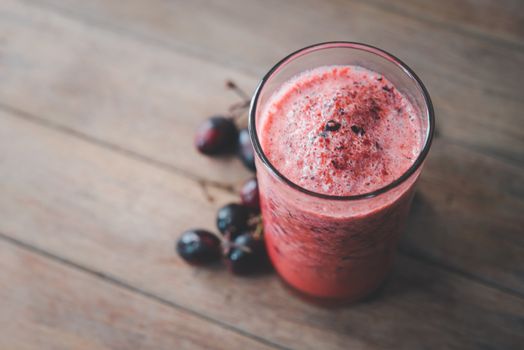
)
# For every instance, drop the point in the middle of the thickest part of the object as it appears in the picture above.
(198, 247)
(247, 255)
(232, 219)
(216, 135)
(249, 194)
(246, 153)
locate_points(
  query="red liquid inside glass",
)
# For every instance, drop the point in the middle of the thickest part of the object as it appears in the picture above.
(338, 131)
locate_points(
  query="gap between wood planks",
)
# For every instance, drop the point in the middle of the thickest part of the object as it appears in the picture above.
(449, 26)
(180, 48)
(242, 67)
(204, 184)
(118, 283)
(386, 7)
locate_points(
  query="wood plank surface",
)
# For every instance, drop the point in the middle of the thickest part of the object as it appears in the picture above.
(121, 220)
(98, 176)
(127, 95)
(502, 20)
(48, 305)
(99, 99)
(467, 215)
(477, 103)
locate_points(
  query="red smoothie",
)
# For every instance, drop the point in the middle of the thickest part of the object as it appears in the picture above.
(336, 131)
(340, 130)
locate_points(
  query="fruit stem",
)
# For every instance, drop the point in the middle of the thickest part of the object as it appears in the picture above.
(241, 93)
(227, 245)
(259, 230)
(238, 110)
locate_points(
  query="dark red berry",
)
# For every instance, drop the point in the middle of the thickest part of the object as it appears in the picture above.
(246, 152)
(247, 255)
(233, 218)
(216, 135)
(249, 194)
(198, 247)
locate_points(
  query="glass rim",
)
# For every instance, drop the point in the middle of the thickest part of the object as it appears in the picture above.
(352, 45)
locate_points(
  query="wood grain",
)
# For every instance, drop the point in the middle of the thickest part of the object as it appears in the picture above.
(98, 99)
(116, 215)
(478, 103)
(98, 104)
(467, 215)
(130, 96)
(503, 20)
(47, 305)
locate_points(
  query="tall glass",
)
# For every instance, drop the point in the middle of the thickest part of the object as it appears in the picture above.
(336, 246)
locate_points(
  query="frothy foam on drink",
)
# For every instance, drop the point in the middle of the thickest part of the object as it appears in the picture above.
(340, 130)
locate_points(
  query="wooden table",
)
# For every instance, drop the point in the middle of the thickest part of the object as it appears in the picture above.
(99, 101)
